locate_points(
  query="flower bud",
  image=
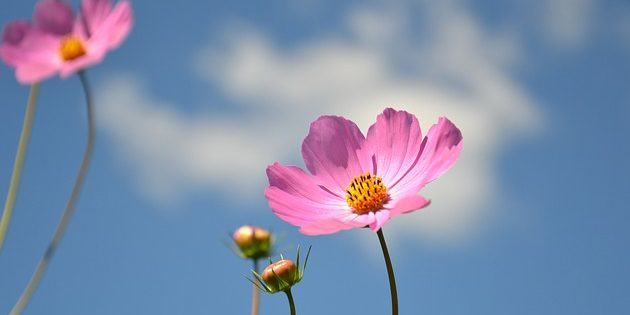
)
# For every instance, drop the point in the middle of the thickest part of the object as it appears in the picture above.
(253, 242)
(280, 275)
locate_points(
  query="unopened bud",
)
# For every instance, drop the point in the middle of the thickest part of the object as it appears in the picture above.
(253, 242)
(280, 275)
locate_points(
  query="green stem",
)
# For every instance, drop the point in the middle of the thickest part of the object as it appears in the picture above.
(68, 210)
(291, 302)
(19, 163)
(255, 293)
(390, 272)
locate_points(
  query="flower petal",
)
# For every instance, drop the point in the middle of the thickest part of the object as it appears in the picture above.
(35, 58)
(70, 67)
(54, 17)
(93, 13)
(112, 29)
(33, 72)
(325, 227)
(440, 149)
(380, 218)
(120, 25)
(108, 31)
(11, 55)
(343, 221)
(396, 139)
(408, 204)
(295, 197)
(332, 151)
(14, 32)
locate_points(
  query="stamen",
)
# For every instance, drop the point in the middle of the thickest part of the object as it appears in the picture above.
(366, 193)
(71, 48)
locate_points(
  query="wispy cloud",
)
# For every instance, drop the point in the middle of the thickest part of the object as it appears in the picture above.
(568, 23)
(175, 153)
(461, 70)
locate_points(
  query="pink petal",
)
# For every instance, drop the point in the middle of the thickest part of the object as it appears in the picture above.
(13, 35)
(70, 67)
(299, 211)
(325, 227)
(34, 72)
(35, 59)
(343, 221)
(54, 17)
(111, 31)
(94, 13)
(359, 220)
(93, 55)
(11, 55)
(295, 196)
(441, 148)
(408, 203)
(14, 32)
(380, 218)
(332, 151)
(120, 25)
(396, 139)
(291, 208)
(295, 181)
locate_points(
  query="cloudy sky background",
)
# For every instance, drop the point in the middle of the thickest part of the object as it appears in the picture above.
(204, 95)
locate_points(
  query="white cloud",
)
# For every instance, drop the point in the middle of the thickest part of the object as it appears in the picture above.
(176, 153)
(568, 23)
(462, 71)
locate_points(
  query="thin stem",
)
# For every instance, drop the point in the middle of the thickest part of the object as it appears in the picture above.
(390, 272)
(68, 210)
(255, 293)
(19, 162)
(291, 302)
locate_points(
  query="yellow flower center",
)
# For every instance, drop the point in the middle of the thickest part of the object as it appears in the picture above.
(366, 193)
(71, 48)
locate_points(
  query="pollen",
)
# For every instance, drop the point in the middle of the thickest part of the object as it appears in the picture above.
(366, 193)
(71, 48)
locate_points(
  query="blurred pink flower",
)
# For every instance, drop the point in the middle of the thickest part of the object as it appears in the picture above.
(58, 42)
(359, 181)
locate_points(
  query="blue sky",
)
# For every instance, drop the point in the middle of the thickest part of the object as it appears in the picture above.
(204, 94)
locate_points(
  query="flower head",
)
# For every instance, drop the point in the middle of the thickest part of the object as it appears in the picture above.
(357, 180)
(281, 275)
(252, 242)
(57, 41)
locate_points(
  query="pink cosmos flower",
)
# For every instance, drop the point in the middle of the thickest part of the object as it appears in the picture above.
(58, 42)
(358, 181)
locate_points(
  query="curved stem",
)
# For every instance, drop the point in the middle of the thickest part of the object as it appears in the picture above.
(68, 210)
(255, 293)
(19, 163)
(390, 272)
(291, 302)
